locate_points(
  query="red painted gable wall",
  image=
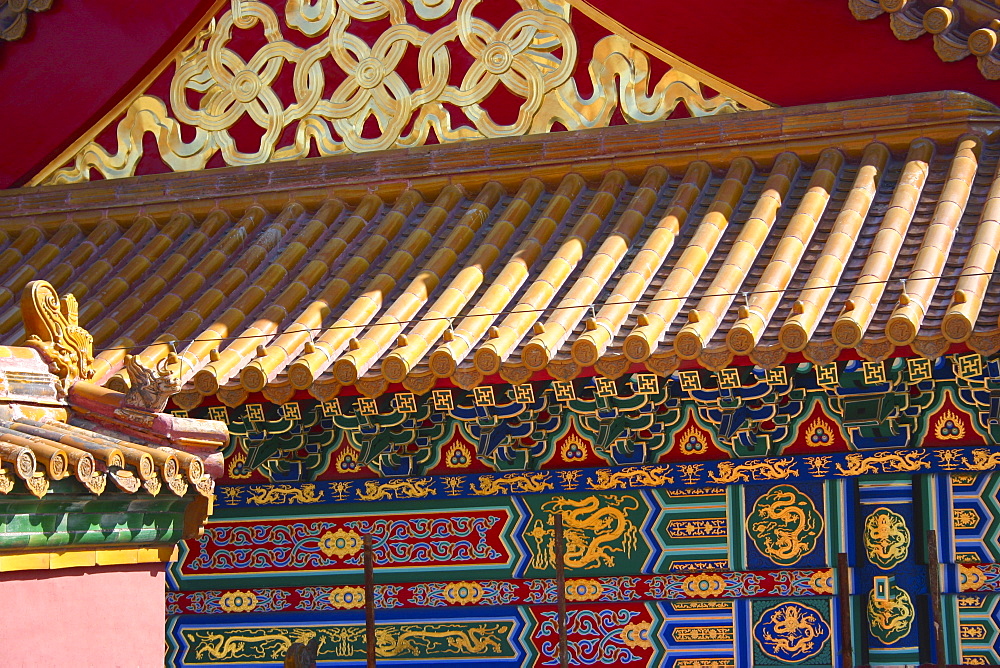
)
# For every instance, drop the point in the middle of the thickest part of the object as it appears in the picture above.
(82, 57)
(75, 63)
(793, 52)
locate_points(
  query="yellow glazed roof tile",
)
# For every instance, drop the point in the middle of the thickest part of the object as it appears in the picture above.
(864, 300)
(515, 272)
(847, 228)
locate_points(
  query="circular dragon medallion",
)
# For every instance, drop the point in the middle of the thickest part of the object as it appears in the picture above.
(890, 619)
(791, 632)
(784, 525)
(887, 540)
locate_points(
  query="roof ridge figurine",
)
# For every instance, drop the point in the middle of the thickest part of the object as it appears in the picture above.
(53, 329)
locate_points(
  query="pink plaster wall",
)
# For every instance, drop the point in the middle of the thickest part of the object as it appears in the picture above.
(107, 617)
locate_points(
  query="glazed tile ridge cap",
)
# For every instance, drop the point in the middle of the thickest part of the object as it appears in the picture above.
(414, 345)
(239, 271)
(223, 363)
(269, 358)
(575, 304)
(548, 333)
(592, 344)
(824, 278)
(367, 349)
(645, 337)
(152, 249)
(327, 342)
(474, 325)
(172, 265)
(705, 317)
(942, 112)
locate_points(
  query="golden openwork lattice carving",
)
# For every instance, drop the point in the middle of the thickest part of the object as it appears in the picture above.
(533, 55)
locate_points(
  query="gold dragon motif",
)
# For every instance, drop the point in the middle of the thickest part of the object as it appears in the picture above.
(397, 489)
(791, 632)
(512, 483)
(883, 462)
(633, 476)
(892, 618)
(594, 529)
(248, 645)
(784, 525)
(886, 538)
(278, 494)
(983, 460)
(422, 641)
(762, 469)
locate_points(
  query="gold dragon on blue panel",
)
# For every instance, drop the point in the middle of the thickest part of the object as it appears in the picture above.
(887, 540)
(784, 525)
(791, 632)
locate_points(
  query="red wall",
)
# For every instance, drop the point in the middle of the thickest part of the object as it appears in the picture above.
(104, 617)
(793, 52)
(75, 62)
(81, 57)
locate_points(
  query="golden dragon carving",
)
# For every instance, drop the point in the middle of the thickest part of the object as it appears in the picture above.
(512, 483)
(633, 476)
(397, 489)
(763, 469)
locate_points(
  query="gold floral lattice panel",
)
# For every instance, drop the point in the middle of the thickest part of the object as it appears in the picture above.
(349, 93)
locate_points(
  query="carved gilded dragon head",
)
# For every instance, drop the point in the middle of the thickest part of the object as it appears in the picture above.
(52, 327)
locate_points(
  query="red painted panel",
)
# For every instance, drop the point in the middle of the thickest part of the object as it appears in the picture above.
(401, 540)
(791, 52)
(80, 58)
(76, 62)
(105, 617)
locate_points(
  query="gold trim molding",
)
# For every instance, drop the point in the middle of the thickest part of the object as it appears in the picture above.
(26, 561)
(533, 55)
